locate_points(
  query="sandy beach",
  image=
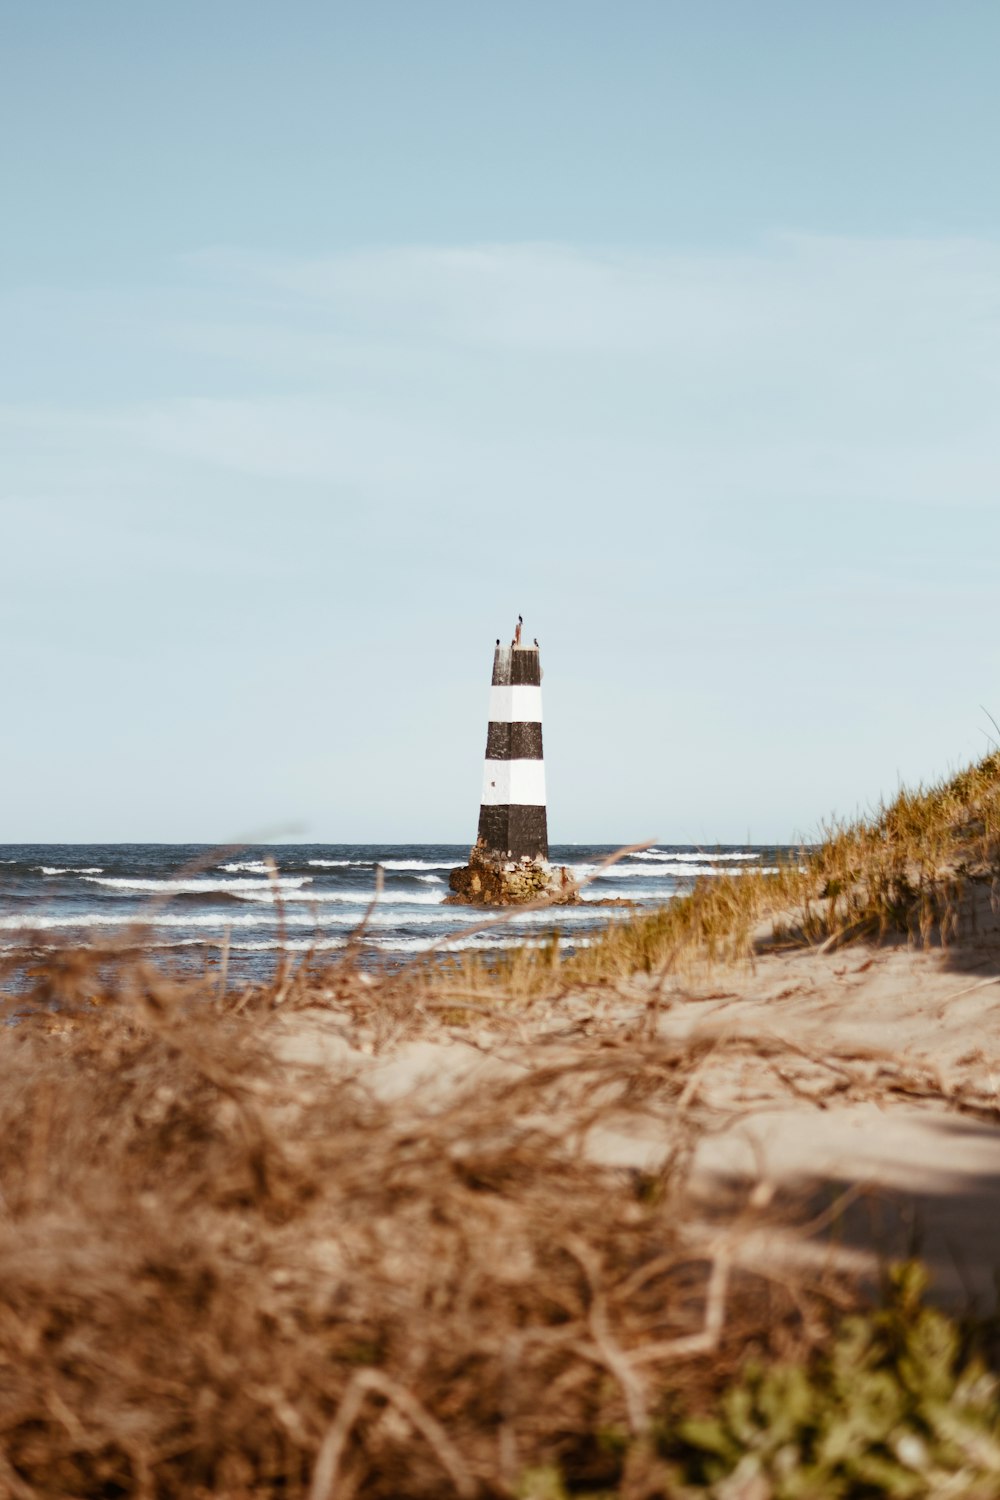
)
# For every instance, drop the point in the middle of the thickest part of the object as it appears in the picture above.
(866, 1077)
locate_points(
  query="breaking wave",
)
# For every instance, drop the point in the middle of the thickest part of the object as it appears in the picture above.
(682, 856)
(340, 864)
(416, 864)
(198, 887)
(353, 898)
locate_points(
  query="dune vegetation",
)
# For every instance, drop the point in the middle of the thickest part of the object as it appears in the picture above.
(230, 1268)
(902, 870)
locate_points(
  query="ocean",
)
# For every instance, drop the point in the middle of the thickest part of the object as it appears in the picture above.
(193, 900)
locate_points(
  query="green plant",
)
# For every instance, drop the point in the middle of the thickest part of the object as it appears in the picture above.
(897, 1405)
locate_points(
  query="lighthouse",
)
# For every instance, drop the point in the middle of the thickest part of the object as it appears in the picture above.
(512, 820)
(509, 861)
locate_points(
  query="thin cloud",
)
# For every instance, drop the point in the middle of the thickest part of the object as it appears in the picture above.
(807, 369)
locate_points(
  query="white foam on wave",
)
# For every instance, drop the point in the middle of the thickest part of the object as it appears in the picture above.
(484, 941)
(351, 898)
(293, 945)
(199, 887)
(450, 945)
(340, 864)
(197, 942)
(159, 919)
(248, 867)
(430, 879)
(387, 864)
(218, 920)
(592, 896)
(685, 871)
(416, 864)
(68, 870)
(660, 871)
(471, 916)
(264, 896)
(381, 919)
(556, 916)
(394, 945)
(697, 858)
(411, 898)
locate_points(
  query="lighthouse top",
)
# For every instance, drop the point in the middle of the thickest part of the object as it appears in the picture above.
(517, 666)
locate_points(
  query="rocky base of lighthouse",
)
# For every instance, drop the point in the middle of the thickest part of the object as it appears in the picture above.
(485, 883)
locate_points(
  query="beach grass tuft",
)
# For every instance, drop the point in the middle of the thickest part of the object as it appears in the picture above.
(899, 871)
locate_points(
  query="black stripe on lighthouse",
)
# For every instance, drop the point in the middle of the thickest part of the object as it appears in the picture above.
(517, 666)
(512, 816)
(514, 742)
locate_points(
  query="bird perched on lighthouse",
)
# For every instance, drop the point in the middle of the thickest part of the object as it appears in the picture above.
(517, 630)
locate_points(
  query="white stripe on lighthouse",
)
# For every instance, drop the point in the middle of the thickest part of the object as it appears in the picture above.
(516, 705)
(520, 782)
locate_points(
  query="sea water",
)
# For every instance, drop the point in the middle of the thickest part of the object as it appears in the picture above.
(192, 900)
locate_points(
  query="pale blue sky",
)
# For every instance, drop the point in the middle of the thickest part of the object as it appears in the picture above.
(334, 336)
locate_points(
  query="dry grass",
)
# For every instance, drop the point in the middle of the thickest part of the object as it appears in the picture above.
(225, 1275)
(901, 870)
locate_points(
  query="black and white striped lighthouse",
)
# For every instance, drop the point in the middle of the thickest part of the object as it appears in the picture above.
(509, 861)
(512, 822)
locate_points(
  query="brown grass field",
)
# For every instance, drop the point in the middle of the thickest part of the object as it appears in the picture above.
(443, 1231)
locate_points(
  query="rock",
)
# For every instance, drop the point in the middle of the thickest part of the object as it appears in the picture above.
(482, 883)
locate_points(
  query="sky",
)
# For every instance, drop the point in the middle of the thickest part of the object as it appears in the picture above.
(333, 337)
